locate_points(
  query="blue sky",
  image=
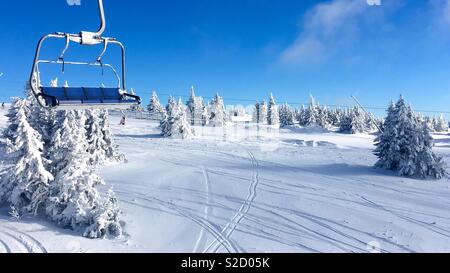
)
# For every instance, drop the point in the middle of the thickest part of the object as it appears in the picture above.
(246, 48)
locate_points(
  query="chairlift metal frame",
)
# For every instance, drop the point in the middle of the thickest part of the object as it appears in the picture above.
(121, 100)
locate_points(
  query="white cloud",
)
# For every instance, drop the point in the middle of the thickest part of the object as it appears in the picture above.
(325, 27)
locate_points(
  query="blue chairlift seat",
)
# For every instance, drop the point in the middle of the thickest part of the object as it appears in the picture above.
(87, 97)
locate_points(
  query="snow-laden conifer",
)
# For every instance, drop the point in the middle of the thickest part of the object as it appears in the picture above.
(154, 108)
(286, 115)
(25, 184)
(74, 201)
(273, 117)
(217, 115)
(176, 125)
(405, 145)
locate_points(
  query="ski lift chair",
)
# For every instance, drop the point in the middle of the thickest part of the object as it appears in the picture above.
(70, 98)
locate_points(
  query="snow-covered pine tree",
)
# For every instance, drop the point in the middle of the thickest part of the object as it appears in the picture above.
(256, 113)
(10, 131)
(176, 124)
(312, 113)
(263, 112)
(95, 139)
(190, 106)
(25, 184)
(40, 119)
(273, 117)
(335, 117)
(204, 113)
(323, 119)
(302, 116)
(109, 146)
(286, 115)
(217, 115)
(168, 108)
(154, 107)
(74, 201)
(296, 113)
(406, 145)
(428, 121)
(441, 125)
(195, 109)
(353, 121)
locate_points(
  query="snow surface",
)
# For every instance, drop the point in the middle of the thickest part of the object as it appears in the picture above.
(239, 189)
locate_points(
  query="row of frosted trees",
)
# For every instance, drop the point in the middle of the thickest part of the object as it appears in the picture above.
(53, 158)
(348, 120)
(197, 112)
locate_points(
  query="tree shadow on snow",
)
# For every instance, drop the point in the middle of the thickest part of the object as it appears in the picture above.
(146, 136)
(343, 169)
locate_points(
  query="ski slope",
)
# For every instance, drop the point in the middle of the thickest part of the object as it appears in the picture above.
(239, 189)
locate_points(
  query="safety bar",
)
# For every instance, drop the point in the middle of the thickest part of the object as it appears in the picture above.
(83, 63)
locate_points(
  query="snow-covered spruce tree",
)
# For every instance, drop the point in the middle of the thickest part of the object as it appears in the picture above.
(405, 145)
(176, 124)
(263, 112)
(195, 109)
(40, 119)
(25, 184)
(302, 116)
(428, 121)
(74, 201)
(110, 148)
(441, 125)
(273, 117)
(96, 144)
(168, 108)
(335, 117)
(256, 113)
(286, 115)
(154, 108)
(217, 115)
(296, 113)
(10, 131)
(312, 113)
(204, 114)
(353, 121)
(190, 106)
(323, 119)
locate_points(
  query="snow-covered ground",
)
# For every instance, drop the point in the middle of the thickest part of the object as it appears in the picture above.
(247, 190)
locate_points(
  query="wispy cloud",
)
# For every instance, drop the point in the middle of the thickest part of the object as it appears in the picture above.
(325, 28)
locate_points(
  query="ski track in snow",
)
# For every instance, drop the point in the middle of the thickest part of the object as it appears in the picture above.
(208, 207)
(15, 241)
(243, 210)
(342, 232)
(184, 212)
